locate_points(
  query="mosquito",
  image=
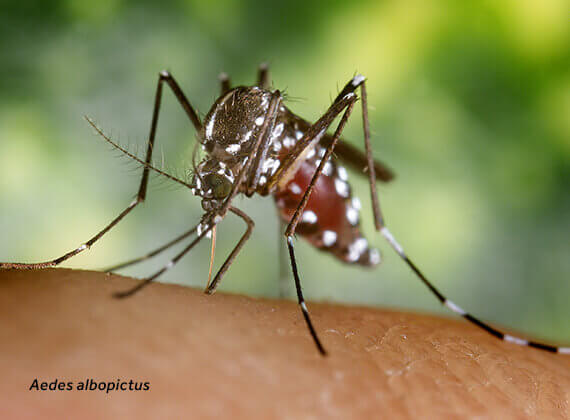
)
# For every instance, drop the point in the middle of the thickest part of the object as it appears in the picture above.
(254, 144)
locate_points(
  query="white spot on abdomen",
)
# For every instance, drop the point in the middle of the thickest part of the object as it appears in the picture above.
(352, 216)
(374, 256)
(328, 169)
(356, 203)
(356, 249)
(341, 187)
(329, 237)
(309, 217)
(295, 189)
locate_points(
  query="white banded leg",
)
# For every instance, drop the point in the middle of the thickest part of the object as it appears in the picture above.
(347, 100)
(359, 80)
(458, 310)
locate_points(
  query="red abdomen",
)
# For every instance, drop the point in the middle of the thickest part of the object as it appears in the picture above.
(330, 220)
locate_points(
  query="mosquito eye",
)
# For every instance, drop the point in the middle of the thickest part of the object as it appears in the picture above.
(220, 185)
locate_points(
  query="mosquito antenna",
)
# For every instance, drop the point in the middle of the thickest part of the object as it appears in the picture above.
(135, 158)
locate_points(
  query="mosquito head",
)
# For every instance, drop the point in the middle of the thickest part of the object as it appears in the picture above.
(232, 124)
(212, 181)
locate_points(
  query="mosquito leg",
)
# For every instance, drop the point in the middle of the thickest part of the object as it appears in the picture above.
(163, 77)
(250, 225)
(86, 245)
(301, 298)
(150, 254)
(378, 218)
(345, 101)
(141, 195)
(168, 266)
(225, 84)
(263, 76)
(455, 308)
(282, 256)
(381, 226)
(290, 231)
(263, 137)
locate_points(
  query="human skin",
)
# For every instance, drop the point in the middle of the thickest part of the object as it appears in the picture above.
(232, 356)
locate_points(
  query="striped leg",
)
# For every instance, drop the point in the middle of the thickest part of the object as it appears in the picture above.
(283, 262)
(455, 308)
(212, 218)
(290, 231)
(381, 226)
(209, 224)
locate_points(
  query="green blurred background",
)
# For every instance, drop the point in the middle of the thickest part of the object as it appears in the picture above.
(470, 104)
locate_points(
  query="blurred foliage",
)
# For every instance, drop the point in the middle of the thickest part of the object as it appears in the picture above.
(470, 104)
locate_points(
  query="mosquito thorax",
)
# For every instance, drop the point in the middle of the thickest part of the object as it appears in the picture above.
(212, 181)
(231, 126)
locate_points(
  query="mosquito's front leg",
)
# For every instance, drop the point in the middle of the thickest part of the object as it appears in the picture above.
(209, 225)
(164, 77)
(250, 225)
(150, 254)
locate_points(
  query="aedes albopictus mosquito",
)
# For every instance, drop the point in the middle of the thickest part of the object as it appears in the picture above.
(255, 145)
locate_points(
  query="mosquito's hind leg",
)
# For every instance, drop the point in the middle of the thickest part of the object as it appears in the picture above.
(141, 195)
(359, 81)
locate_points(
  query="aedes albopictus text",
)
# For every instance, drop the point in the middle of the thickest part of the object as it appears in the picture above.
(255, 145)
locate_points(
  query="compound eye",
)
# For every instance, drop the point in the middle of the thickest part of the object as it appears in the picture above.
(219, 184)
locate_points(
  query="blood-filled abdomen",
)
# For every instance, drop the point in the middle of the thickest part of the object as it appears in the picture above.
(330, 221)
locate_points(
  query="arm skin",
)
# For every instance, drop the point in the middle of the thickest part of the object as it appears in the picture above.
(231, 356)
